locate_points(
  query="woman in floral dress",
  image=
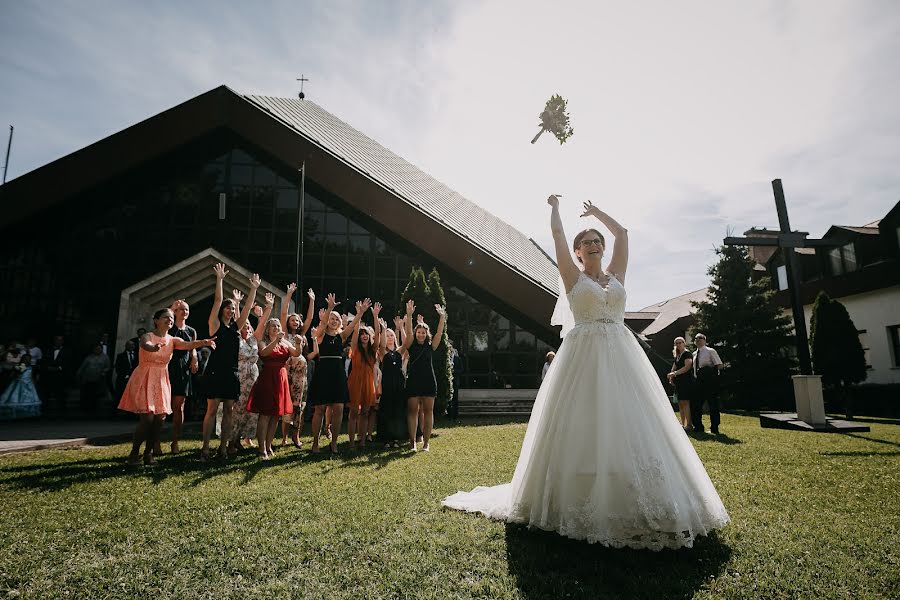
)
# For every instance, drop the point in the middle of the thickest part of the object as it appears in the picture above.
(295, 332)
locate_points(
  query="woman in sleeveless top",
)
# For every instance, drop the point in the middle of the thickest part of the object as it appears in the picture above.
(149, 392)
(329, 384)
(244, 429)
(271, 395)
(361, 382)
(421, 384)
(392, 405)
(221, 380)
(295, 332)
(682, 377)
(603, 459)
(182, 367)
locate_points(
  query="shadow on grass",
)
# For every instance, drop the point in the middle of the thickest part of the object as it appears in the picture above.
(547, 565)
(860, 453)
(871, 439)
(721, 438)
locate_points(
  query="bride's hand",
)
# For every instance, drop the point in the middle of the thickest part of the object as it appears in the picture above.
(590, 210)
(553, 200)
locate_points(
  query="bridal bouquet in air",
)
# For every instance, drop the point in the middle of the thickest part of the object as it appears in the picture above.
(555, 120)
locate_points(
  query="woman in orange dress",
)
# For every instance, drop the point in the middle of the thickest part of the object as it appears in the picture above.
(361, 382)
(148, 393)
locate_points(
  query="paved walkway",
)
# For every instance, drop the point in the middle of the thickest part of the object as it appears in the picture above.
(21, 436)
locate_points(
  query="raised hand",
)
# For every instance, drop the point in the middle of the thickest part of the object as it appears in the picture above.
(441, 311)
(270, 299)
(553, 200)
(257, 311)
(177, 304)
(220, 271)
(279, 336)
(366, 304)
(420, 318)
(311, 294)
(376, 309)
(590, 210)
(291, 288)
(254, 280)
(237, 295)
(323, 315)
(331, 301)
(383, 323)
(410, 307)
(398, 322)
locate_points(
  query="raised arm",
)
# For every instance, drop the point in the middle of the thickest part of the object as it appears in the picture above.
(361, 307)
(307, 323)
(248, 305)
(568, 270)
(286, 303)
(264, 315)
(315, 348)
(439, 333)
(319, 332)
(146, 344)
(376, 326)
(220, 272)
(618, 264)
(410, 310)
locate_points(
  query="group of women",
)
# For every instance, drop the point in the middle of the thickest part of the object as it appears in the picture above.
(391, 381)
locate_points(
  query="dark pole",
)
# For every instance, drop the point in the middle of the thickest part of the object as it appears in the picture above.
(299, 251)
(790, 264)
(8, 148)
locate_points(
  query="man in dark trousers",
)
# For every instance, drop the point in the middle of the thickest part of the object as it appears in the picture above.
(125, 364)
(56, 371)
(707, 365)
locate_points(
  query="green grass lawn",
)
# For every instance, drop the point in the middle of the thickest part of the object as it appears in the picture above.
(814, 516)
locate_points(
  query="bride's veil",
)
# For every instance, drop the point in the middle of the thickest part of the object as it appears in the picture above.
(562, 313)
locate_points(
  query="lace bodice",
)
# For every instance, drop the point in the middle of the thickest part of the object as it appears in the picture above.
(591, 302)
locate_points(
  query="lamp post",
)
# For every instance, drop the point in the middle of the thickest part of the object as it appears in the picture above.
(299, 249)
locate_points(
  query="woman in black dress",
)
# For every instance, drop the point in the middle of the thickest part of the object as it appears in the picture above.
(221, 382)
(182, 367)
(421, 384)
(329, 383)
(682, 377)
(392, 405)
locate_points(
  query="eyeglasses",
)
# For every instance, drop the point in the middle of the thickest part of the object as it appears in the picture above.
(594, 242)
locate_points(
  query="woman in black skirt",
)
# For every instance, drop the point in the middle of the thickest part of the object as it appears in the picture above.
(392, 405)
(682, 377)
(421, 384)
(221, 383)
(182, 367)
(329, 383)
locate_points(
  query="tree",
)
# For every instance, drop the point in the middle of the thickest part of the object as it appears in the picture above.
(443, 363)
(837, 353)
(427, 293)
(748, 330)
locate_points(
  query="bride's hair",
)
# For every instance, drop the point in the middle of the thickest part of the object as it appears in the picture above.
(577, 241)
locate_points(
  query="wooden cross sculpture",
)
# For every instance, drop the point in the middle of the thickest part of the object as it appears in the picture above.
(787, 240)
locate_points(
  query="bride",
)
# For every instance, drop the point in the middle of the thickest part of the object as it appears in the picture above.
(604, 459)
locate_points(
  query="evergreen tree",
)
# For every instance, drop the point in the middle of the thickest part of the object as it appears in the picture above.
(750, 332)
(837, 353)
(443, 363)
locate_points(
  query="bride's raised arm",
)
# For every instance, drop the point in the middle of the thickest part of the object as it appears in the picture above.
(568, 270)
(618, 264)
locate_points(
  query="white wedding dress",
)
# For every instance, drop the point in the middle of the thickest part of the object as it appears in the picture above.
(604, 459)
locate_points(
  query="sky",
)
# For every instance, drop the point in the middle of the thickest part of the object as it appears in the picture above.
(683, 111)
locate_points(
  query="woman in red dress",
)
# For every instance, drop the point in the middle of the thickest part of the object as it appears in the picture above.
(271, 394)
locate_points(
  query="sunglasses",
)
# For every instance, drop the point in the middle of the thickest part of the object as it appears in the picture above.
(593, 242)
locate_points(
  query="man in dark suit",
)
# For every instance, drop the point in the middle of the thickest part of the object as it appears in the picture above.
(109, 350)
(56, 368)
(125, 364)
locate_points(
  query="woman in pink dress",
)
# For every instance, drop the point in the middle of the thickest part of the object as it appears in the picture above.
(271, 394)
(148, 393)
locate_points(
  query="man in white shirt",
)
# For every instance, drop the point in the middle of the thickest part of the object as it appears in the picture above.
(707, 366)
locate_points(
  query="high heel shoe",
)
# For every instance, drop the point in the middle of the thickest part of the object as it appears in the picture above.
(204, 455)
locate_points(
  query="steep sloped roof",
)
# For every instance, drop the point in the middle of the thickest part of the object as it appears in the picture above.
(433, 198)
(671, 310)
